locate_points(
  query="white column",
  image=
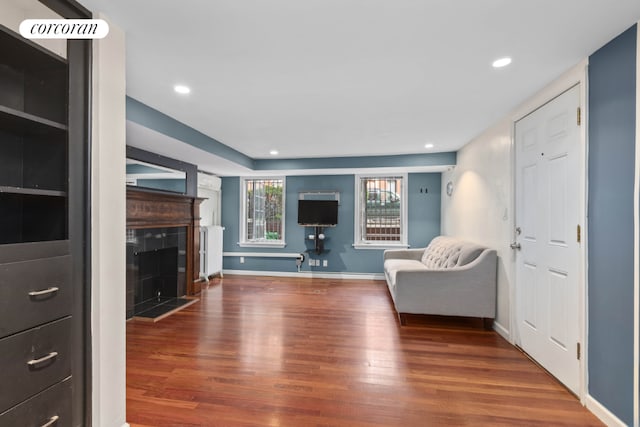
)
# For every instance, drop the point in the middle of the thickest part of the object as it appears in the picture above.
(636, 250)
(108, 220)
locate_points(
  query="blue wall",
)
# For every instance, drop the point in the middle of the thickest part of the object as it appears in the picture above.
(401, 160)
(424, 224)
(160, 122)
(612, 110)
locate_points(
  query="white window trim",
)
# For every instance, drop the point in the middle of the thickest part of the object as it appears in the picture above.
(404, 215)
(363, 245)
(262, 245)
(244, 243)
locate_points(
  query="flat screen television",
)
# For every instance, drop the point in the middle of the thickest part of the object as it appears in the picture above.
(318, 213)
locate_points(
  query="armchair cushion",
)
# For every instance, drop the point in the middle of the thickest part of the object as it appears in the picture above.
(448, 252)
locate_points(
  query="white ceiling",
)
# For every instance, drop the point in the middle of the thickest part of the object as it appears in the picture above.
(150, 140)
(328, 78)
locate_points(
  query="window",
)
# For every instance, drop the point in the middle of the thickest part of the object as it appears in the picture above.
(380, 211)
(262, 221)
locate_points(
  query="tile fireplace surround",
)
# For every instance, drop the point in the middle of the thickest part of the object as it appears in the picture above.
(162, 248)
(156, 267)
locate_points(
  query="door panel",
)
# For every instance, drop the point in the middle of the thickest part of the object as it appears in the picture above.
(557, 196)
(530, 183)
(557, 310)
(529, 293)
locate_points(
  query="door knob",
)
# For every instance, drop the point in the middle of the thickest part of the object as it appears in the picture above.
(515, 245)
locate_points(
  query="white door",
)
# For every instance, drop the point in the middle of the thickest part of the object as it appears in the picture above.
(547, 227)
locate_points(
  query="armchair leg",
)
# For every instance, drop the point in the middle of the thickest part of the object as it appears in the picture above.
(403, 319)
(487, 323)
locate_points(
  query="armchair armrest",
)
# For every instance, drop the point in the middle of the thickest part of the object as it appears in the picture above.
(415, 254)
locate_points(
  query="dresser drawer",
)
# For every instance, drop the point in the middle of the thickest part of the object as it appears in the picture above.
(34, 292)
(51, 406)
(34, 360)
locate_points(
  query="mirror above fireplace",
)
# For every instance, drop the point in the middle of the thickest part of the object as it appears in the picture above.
(155, 177)
(157, 173)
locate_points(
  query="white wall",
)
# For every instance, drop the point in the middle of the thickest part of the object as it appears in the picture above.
(209, 188)
(481, 206)
(108, 219)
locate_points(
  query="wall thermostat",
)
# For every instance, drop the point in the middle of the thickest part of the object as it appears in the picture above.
(449, 188)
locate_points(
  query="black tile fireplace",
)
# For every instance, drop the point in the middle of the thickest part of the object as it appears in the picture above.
(156, 270)
(156, 221)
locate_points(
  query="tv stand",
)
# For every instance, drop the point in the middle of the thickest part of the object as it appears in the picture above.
(318, 237)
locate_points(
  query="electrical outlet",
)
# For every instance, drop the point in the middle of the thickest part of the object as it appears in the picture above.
(312, 262)
(325, 263)
(241, 260)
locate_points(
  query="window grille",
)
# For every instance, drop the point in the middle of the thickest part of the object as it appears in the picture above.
(381, 208)
(263, 210)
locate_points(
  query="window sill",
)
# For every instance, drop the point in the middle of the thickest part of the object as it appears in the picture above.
(380, 246)
(261, 245)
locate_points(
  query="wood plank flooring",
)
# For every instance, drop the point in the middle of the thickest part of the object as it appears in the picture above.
(259, 351)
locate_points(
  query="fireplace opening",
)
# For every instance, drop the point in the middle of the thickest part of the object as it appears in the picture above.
(157, 278)
(155, 271)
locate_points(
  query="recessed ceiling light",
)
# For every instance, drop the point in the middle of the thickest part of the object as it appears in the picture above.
(273, 152)
(428, 146)
(502, 62)
(182, 89)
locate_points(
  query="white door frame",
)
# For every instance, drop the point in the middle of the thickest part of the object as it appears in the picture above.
(636, 252)
(576, 76)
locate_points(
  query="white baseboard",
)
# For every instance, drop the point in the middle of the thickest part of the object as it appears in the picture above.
(603, 413)
(502, 331)
(126, 425)
(308, 274)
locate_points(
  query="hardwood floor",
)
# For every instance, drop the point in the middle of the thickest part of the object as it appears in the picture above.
(257, 351)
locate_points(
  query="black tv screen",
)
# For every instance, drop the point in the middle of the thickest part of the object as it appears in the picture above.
(318, 212)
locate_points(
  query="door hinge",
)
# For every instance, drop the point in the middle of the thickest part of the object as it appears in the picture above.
(578, 233)
(578, 351)
(579, 116)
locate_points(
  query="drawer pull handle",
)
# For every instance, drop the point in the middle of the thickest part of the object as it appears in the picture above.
(51, 421)
(43, 292)
(43, 359)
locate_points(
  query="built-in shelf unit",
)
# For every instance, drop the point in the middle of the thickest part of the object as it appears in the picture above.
(34, 142)
(44, 240)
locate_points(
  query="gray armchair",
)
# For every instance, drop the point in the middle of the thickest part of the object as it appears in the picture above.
(450, 277)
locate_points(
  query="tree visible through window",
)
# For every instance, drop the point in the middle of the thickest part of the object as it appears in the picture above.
(263, 211)
(380, 210)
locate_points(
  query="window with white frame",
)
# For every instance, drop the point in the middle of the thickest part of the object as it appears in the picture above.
(263, 205)
(380, 211)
